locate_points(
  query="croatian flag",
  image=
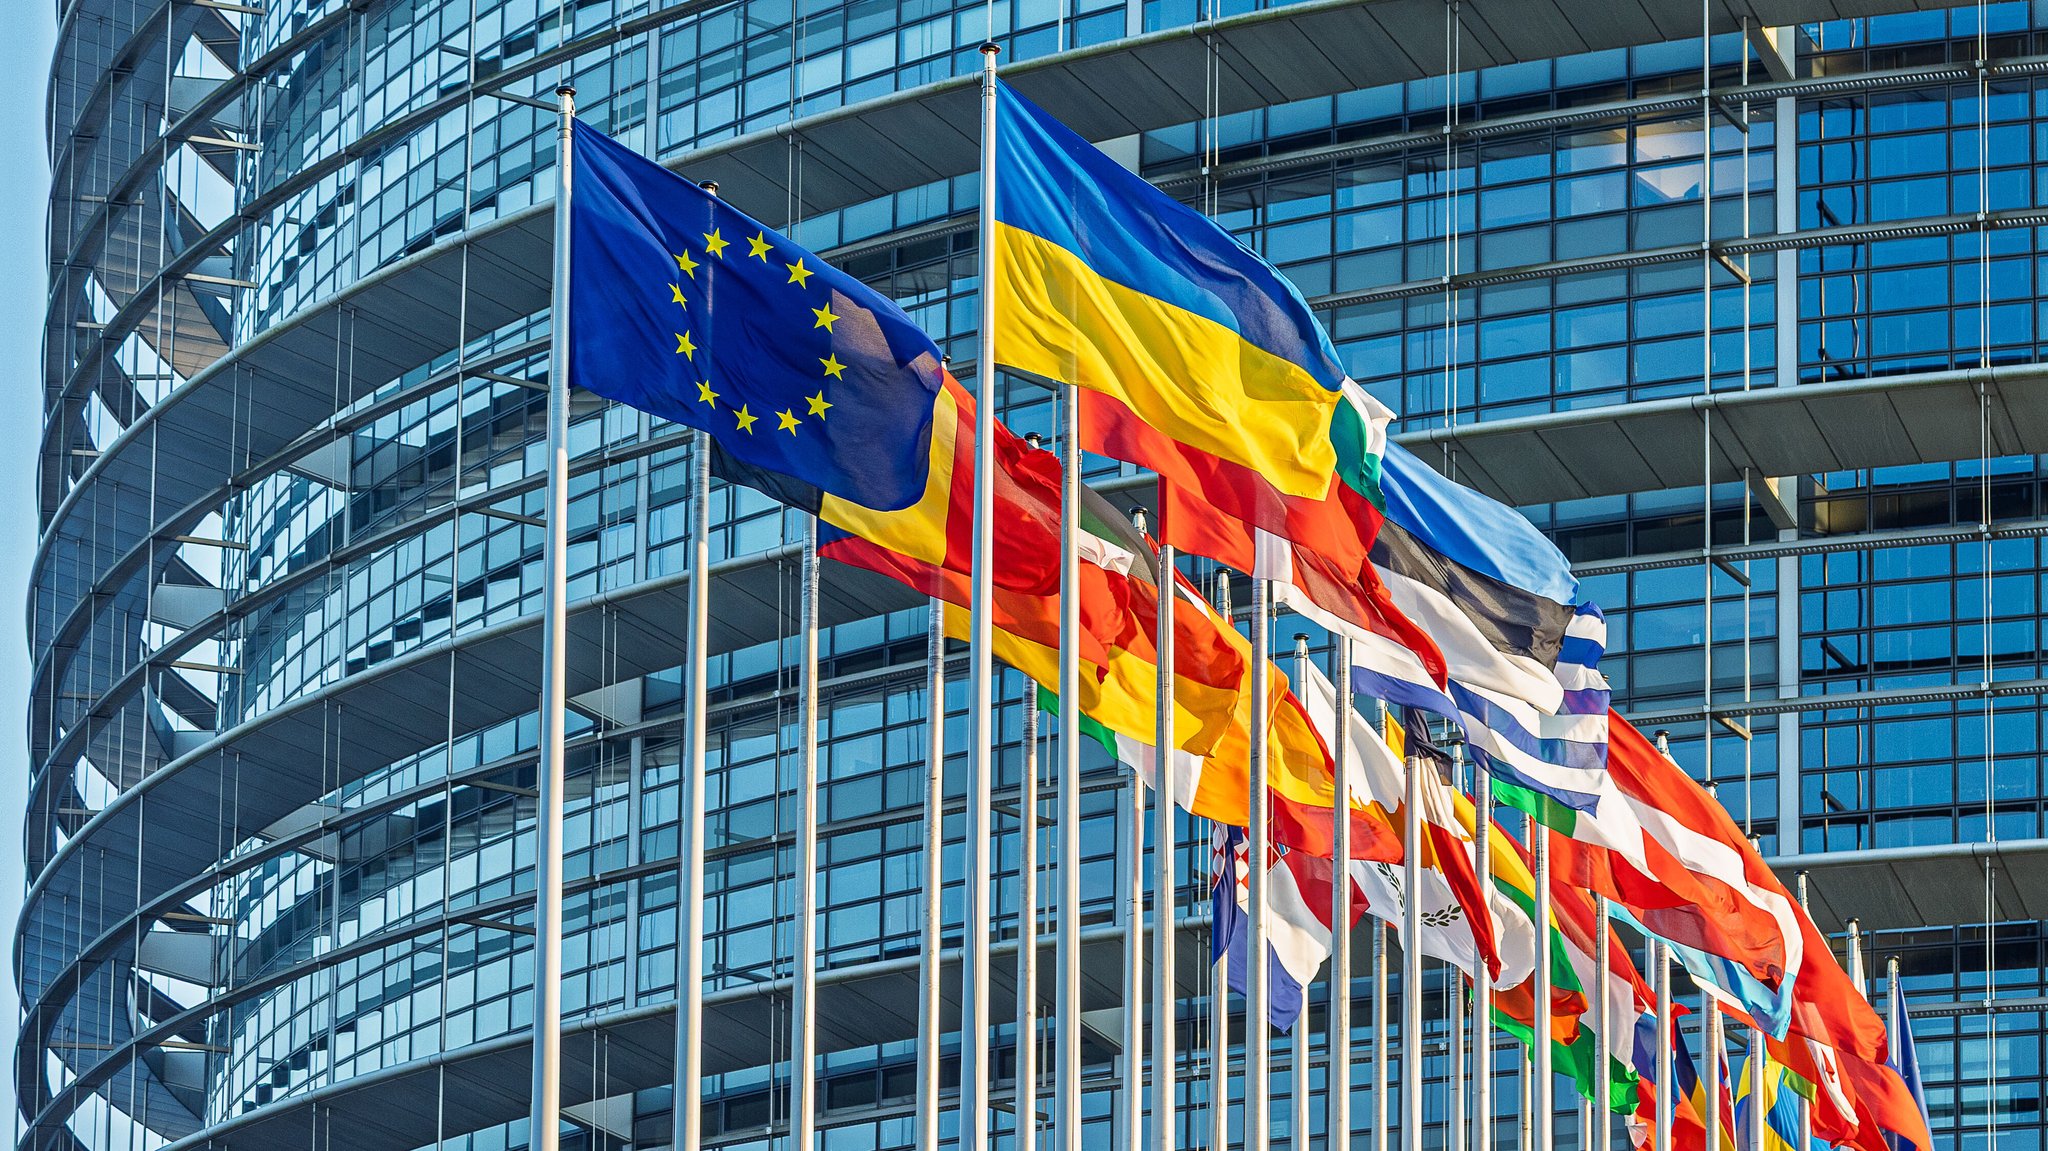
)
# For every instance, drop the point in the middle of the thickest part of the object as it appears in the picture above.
(1298, 938)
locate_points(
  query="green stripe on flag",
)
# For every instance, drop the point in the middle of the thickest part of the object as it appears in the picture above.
(1542, 808)
(1576, 1059)
(1579, 1057)
(1358, 465)
(1050, 702)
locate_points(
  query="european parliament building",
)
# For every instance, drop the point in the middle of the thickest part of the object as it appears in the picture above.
(1740, 300)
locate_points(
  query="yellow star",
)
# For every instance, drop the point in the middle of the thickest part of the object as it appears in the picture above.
(676, 290)
(758, 246)
(688, 265)
(833, 367)
(825, 316)
(798, 274)
(818, 405)
(788, 423)
(715, 244)
(684, 347)
(705, 395)
(746, 419)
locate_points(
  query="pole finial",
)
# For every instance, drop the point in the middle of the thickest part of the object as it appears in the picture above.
(565, 89)
(710, 186)
(991, 49)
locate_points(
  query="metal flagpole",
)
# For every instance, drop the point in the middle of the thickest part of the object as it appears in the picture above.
(1067, 929)
(1337, 1079)
(1541, 1083)
(1524, 1110)
(1027, 927)
(1165, 862)
(1482, 986)
(1756, 1086)
(1382, 1051)
(803, 1073)
(1219, 991)
(1133, 1112)
(1603, 1022)
(1805, 1107)
(1455, 1120)
(1660, 959)
(1714, 1044)
(934, 876)
(688, 1102)
(977, 918)
(1298, 1099)
(547, 918)
(1411, 962)
(1258, 1046)
(1856, 975)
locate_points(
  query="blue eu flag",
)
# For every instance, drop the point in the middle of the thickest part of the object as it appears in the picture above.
(687, 308)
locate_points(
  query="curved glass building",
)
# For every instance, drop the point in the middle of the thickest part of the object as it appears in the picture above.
(1748, 313)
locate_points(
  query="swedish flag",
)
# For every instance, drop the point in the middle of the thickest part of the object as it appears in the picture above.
(685, 307)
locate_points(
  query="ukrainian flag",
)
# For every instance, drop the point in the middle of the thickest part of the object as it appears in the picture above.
(1106, 283)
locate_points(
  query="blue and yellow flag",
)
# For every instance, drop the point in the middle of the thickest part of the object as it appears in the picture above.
(1104, 282)
(1782, 1092)
(686, 307)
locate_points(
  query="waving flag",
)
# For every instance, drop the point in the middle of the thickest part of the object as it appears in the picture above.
(1902, 1058)
(1463, 925)
(1297, 941)
(1695, 880)
(1689, 1101)
(1500, 602)
(689, 309)
(1781, 1095)
(1104, 282)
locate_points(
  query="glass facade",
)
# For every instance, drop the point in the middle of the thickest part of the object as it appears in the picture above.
(280, 833)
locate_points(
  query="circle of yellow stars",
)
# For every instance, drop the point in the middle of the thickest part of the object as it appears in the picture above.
(759, 247)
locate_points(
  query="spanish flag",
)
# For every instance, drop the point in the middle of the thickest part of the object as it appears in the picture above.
(1104, 282)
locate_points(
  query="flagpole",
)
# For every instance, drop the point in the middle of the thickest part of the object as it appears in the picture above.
(1524, 1109)
(1298, 1099)
(1219, 989)
(1541, 1082)
(1133, 1112)
(547, 918)
(1411, 961)
(934, 876)
(1756, 1089)
(1856, 976)
(1027, 927)
(1714, 1044)
(1067, 935)
(1381, 1049)
(803, 1025)
(687, 1104)
(1337, 1079)
(977, 918)
(1660, 959)
(1805, 1105)
(1455, 1120)
(1165, 862)
(1482, 984)
(1258, 1037)
(1603, 1082)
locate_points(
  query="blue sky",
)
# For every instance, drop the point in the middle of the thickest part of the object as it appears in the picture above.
(25, 63)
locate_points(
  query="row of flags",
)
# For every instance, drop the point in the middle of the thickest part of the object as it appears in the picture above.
(1195, 359)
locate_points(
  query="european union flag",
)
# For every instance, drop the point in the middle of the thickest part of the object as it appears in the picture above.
(686, 307)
